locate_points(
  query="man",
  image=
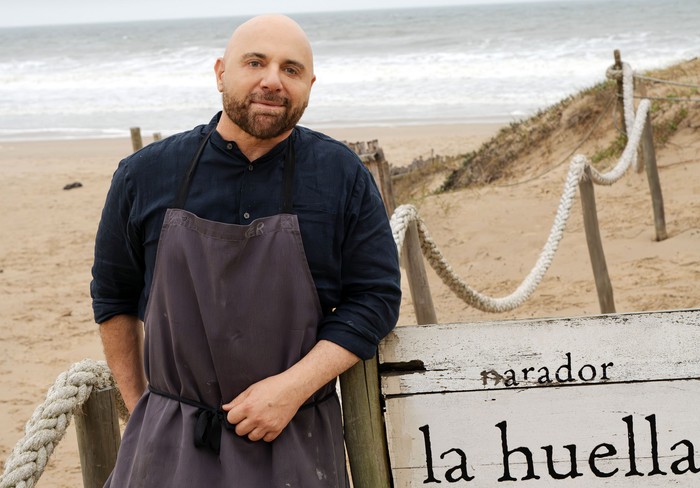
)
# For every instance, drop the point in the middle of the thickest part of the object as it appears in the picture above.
(259, 256)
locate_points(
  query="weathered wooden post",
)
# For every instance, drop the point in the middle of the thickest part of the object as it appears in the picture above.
(363, 421)
(595, 246)
(97, 427)
(136, 141)
(157, 136)
(657, 199)
(620, 92)
(649, 155)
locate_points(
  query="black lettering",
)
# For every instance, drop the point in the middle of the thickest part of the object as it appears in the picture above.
(604, 367)
(503, 427)
(567, 367)
(630, 446)
(611, 451)
(510, 378)
(550, 463)
(461, 467)
(545, 376)
(593, 372)
(654, 446)
(428, 455)
(690, 459)
(526, 371)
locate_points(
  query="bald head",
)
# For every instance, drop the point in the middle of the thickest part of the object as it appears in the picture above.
(278, 31)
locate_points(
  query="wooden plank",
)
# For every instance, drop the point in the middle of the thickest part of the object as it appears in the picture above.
(441, 438)
(467, 403)
(454, 357)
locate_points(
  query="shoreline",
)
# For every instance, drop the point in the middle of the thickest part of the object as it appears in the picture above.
(401, 144)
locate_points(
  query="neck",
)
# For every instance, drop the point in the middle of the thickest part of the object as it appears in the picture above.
(251, 146)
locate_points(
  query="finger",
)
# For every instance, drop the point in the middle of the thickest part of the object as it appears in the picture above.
(257, 434)
(244, 427)
(270, 436)
(236, 401)
(236, 415)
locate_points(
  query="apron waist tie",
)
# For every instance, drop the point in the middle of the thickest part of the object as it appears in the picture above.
(210, 421)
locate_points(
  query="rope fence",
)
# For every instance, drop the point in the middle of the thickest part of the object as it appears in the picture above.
(665, 82)
(49, 422)
(580, 168)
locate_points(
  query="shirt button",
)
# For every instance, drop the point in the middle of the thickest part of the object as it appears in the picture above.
(246, 215)
(250, 167)
(229, 146)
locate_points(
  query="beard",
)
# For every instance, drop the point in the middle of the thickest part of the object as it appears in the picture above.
(262, 125)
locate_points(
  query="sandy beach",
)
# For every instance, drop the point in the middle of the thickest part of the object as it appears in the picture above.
(491, 235)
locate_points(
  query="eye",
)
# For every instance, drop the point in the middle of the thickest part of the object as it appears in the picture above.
(292, 70)
(254, 63)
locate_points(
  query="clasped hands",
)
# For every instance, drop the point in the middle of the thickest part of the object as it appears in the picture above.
(265, 408)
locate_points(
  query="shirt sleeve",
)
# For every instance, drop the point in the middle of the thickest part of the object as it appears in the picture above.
(118, 268)
(370, 275)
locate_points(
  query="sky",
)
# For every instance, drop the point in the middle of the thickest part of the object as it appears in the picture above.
(47, 12)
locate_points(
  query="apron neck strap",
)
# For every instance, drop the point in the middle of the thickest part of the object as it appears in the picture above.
(288, 178)
(290, 160)
(187, 179)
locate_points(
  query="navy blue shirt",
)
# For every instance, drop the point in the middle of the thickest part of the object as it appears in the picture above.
(344, 227)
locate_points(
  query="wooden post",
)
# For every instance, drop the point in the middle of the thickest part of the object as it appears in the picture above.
(97, 427)
(157, 136)
(363, 420)
(657, 200)
(418, 278)
(595, 246)
(136, 141)
(620, 91)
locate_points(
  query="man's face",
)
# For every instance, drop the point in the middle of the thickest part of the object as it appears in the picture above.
(265, 79)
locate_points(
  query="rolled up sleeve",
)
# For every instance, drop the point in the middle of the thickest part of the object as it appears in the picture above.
(118, 269)
(370, 275)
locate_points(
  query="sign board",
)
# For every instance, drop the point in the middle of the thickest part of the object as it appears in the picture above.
(584, 402)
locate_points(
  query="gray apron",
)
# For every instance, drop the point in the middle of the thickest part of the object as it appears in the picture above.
(229, 306)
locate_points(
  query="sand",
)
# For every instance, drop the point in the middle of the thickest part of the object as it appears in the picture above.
(492, 236)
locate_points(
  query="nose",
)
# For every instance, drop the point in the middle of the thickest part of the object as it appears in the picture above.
(271, 78)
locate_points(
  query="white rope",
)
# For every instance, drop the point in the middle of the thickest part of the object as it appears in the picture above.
(667, 82)
(49, 422)
(406, 214)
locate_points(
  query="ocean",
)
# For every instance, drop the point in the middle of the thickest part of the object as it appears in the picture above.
(476, 63)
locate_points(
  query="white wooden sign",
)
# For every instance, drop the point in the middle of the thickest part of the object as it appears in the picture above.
(586, 402)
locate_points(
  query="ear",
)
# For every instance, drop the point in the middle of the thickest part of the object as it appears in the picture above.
(219, 71)
(313, 80)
